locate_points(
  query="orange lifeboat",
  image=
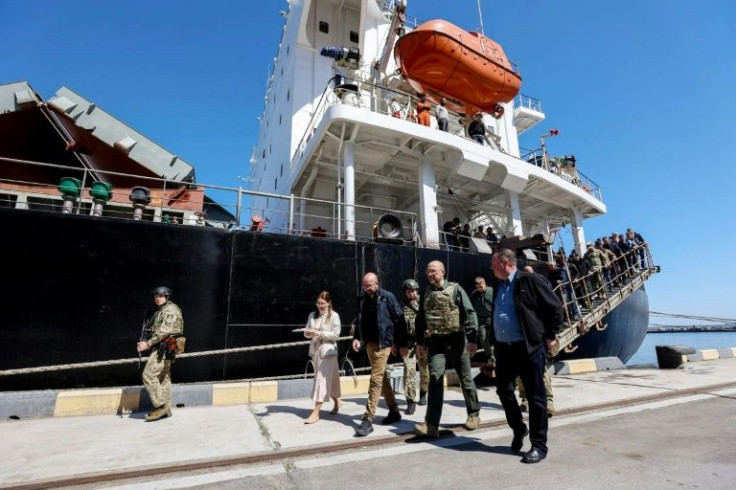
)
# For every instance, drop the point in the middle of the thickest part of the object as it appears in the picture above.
(441, 60)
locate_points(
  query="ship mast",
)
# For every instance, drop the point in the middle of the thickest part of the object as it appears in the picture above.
(480, 17)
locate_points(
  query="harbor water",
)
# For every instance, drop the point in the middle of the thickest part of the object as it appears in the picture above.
(697, 340)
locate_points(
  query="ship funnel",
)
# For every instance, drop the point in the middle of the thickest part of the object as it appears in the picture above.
(70, 189)
(141, 197)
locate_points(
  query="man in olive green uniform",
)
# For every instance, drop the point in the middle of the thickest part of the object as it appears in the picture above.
(411, 308)
(166, 322)
(482, 300)
(446, 327)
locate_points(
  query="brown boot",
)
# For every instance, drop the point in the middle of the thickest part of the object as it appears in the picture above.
(159, 413)
(472, 423)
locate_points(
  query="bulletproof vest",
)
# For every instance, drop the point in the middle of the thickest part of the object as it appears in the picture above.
(440, 310)
(410, 316)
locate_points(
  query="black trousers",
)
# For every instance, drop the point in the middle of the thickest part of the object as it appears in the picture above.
(513, 360)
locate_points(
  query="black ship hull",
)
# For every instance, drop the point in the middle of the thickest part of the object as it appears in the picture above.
(76, 289)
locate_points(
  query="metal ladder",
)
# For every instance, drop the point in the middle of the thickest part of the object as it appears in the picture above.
(599, 302)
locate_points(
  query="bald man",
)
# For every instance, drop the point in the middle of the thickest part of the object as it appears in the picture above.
(378, 315)
(447, 327)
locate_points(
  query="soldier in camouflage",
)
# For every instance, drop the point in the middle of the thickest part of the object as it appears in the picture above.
(595, 259)
(411, 307)
(524, 405)
(166, 322)
(446, 327)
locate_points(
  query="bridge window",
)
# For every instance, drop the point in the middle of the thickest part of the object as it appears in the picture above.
(324, 27)
(354, 38)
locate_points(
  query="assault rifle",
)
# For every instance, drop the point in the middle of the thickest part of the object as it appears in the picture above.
(146, 332)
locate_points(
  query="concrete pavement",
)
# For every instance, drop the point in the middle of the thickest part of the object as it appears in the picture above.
(39, 453)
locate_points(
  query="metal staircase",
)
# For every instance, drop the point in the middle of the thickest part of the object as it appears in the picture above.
(600, 292)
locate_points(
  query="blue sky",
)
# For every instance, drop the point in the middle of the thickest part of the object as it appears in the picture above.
(641, 92)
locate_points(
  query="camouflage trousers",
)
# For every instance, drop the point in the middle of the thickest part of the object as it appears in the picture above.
(157, 380)
(547, 388)
(410, 374)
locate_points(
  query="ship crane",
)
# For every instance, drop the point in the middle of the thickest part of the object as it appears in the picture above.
(395, 30)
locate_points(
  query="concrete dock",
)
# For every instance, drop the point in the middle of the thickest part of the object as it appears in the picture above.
(612, 420)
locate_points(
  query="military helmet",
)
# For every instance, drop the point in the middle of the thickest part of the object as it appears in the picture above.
(410, 284)
(162, 291)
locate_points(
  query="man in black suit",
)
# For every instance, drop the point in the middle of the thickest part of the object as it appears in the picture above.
(526, 318)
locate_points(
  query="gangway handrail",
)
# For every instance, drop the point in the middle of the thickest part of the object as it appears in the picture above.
(601, 293)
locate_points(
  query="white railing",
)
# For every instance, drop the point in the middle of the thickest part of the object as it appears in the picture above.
(565, 167)
(528, 102)
(183, 203)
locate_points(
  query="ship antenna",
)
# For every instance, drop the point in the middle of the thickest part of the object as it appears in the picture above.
(480, 16)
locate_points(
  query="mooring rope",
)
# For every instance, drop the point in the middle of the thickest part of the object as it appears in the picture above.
(131, 360)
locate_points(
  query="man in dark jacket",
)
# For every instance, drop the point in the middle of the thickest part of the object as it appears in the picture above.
(378, 316)
(526, 318)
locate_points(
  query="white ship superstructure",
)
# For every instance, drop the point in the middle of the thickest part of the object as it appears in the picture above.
(330, 139)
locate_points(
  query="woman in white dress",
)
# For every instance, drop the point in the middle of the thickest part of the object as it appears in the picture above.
(323, 327)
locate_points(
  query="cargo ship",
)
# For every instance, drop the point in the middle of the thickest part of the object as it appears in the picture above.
(343, 180)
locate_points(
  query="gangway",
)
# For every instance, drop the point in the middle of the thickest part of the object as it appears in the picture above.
(599, 292)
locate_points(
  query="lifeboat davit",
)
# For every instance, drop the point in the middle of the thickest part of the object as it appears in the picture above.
(440, 59)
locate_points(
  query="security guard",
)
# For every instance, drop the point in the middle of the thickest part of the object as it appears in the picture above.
(166, 324)
(411, 308)
(446, 327)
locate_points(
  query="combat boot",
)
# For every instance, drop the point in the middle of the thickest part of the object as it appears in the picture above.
(422, 398)
(472, 423)
(411, 407)
(158, 413)
(426, 430)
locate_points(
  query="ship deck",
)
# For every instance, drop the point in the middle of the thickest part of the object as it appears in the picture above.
(472, 179)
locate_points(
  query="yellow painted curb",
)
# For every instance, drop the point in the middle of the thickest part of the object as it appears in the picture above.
(230, 394)
(95, 402)
(263, 391)
(577, 366)
(710, 354)
(349, 386)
